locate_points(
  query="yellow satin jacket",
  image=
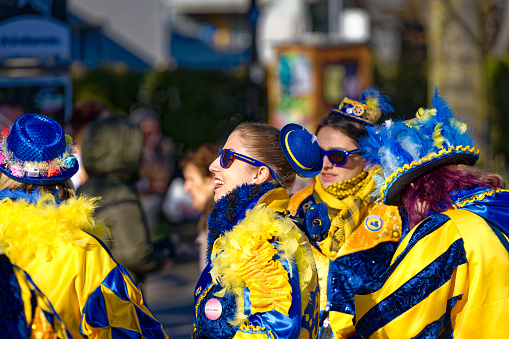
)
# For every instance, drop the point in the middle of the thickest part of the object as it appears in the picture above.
(448, 278)
(57, 244)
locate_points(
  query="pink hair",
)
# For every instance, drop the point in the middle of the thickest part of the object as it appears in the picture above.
(430, 193)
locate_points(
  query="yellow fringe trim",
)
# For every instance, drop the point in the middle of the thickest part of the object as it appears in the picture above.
(28, 231)
(198, 302)
(255, 330)
(478, 197)
(432, 156)
(243, 258)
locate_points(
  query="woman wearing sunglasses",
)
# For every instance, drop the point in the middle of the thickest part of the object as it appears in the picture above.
(260, 281)
(364, 232)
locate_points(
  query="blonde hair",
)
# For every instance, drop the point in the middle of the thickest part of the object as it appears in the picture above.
(64, 190)
(263, 143)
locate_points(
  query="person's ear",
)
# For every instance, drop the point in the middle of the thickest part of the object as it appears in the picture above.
(262, 175)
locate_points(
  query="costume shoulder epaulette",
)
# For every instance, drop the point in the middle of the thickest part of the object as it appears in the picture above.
(383, 223)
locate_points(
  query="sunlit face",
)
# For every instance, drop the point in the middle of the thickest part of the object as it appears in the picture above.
(200, 188)
(238, 173)
(330, 138)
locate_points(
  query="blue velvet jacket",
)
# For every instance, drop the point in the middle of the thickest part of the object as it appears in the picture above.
(261, 280)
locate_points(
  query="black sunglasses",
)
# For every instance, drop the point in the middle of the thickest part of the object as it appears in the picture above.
(339, 157)
(226, 155)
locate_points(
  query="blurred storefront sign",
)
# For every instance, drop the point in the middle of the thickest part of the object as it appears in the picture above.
(35, 45)
(33, 36)
(307, 80)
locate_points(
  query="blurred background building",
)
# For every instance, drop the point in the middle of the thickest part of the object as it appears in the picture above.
(131, 32)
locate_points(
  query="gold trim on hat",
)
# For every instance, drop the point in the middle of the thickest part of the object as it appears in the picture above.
(430, 157)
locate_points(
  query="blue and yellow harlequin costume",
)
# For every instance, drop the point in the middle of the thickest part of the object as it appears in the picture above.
(26, 312)
(261, 279)
(56, 240)
(52, 240)
(449, 277)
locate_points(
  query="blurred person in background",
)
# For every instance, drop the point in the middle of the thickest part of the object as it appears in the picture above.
(261, 279)
(111, 152)
(83, 113)
(363, 233)
(50, 233)
(199, 183)
(157, 165)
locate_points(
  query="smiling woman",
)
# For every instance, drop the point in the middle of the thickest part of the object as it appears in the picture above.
(261, 142)
(261, 278)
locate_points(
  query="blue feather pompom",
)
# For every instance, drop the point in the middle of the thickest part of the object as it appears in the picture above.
(383, 102)
(378, 103)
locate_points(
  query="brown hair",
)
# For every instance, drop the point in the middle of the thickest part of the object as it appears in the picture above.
(263, 143)
(352, 128)
(201, 158)
(84, 112)
(65, 190)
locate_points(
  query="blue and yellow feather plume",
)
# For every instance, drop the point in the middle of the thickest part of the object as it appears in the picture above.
(402, 146)
(378, 103)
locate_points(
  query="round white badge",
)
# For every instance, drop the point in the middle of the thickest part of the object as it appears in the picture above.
(373, 223)
(213, 309)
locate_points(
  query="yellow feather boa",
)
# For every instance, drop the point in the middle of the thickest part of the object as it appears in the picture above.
(243, 257)
(28, 230)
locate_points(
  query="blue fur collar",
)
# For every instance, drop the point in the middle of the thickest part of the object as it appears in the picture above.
(226, 210)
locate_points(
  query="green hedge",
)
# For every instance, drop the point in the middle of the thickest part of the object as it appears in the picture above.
(117, 88)
(194, 106)
(498, 74)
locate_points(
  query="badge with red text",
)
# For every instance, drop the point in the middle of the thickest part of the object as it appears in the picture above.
(213, 309)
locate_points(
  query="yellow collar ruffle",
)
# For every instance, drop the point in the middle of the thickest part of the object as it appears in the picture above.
(38, 230)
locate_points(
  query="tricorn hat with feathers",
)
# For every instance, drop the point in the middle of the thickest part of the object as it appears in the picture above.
(409, 149)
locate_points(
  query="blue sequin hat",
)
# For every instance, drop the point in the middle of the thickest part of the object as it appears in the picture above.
(301, 150)
(372, 104)
(37, 151)
(408, 149)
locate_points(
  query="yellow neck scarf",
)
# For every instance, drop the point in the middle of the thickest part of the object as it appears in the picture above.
(347, 203)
